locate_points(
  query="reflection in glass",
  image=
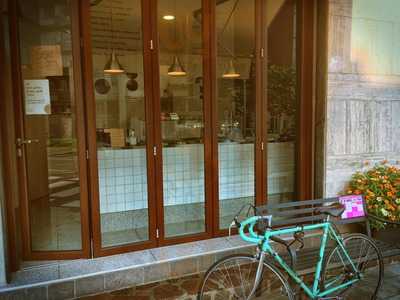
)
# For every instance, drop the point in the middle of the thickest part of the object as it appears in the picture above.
(236, 106)
(117, 55)
(282, 101)
(52, 161)
(182, 122)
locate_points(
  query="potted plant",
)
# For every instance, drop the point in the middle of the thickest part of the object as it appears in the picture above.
(380, 187)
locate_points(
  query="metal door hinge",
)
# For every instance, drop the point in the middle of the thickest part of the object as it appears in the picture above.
(87, 154)
(262, 146)
(262, 52)
(157, 233)
(151, 45)
(155, 150)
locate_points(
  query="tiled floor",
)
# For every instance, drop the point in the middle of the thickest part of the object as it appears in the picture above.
(186, 288)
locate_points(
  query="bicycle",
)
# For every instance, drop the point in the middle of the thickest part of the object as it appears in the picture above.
(352, 268)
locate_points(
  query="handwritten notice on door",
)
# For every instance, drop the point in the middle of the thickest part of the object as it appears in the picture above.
(46, 61)
(37, 97)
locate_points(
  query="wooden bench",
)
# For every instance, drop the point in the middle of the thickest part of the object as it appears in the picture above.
(305, 212)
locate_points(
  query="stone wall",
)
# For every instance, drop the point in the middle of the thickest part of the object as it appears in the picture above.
(363, 94)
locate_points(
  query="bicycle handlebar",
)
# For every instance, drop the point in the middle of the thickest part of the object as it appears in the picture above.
(249, 223)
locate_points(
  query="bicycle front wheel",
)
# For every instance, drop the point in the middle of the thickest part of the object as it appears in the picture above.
(367, 259)
(233, 277)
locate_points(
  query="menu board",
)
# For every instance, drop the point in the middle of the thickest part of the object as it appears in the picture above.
(354, 206)
(37, 97)
(46, 61)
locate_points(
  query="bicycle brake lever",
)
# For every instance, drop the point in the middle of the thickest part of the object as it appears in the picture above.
(235, 223)
(230, 227)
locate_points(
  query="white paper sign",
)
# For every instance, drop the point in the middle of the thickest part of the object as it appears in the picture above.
(37, 97)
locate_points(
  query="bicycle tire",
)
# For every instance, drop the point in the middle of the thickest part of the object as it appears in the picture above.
(369, 265)
(213, 283)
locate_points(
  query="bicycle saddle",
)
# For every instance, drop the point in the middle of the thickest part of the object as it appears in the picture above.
(334, 209)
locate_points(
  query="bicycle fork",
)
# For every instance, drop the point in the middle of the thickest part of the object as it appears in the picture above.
(258, 274)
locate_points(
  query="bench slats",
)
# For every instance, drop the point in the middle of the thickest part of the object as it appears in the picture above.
(304, 212)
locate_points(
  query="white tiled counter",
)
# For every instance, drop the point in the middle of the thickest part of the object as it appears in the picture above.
(123, 174)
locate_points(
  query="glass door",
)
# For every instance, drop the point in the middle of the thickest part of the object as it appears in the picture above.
(282, 100)
(181, 118)
(51, 142)
(236, 105)
(121, 108)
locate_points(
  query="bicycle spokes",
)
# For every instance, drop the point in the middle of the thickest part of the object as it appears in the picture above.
(362, 265)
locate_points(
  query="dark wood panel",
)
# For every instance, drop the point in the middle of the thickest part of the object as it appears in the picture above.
(78, 88)
(158, 163)
(305, 69)
(9, 155)
(19, 129)
(150, 117)
(208, 120)
(214, 117)
(260, 146)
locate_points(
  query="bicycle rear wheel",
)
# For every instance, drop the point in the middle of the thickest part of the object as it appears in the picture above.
(366, 257)
(233, 277)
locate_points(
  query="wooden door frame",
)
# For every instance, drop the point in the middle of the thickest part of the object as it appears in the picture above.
(28, 253)
(305, 22)
(306, 66)
(260, 148)
(82, 53)
(97, 248)
(162, 241)
(8, 155)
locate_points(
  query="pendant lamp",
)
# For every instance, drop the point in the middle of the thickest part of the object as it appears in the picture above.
(113, 66)
(230, 72)
(176, 68)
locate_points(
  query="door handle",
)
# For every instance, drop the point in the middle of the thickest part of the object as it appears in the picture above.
(21, 142)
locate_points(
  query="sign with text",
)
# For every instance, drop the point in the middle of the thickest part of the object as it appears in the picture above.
(37, 97)
(46, 61)
(354, 206)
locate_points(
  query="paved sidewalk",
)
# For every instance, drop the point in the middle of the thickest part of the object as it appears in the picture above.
(186, 288)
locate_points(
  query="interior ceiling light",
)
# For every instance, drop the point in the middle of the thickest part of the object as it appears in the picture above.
(169, 17)
(113, 66)
(230, 72)
(176, 68)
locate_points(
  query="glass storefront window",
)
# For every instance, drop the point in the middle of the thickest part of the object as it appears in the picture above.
(236, 106)
(49, 120)
(117, 56)
(182, 121)
(281, 100)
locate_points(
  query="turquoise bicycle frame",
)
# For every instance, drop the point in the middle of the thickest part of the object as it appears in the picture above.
(313, 292)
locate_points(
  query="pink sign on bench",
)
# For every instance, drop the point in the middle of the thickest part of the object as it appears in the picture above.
(354, 206)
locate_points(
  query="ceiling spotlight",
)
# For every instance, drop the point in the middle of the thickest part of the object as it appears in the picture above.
(168, 17)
